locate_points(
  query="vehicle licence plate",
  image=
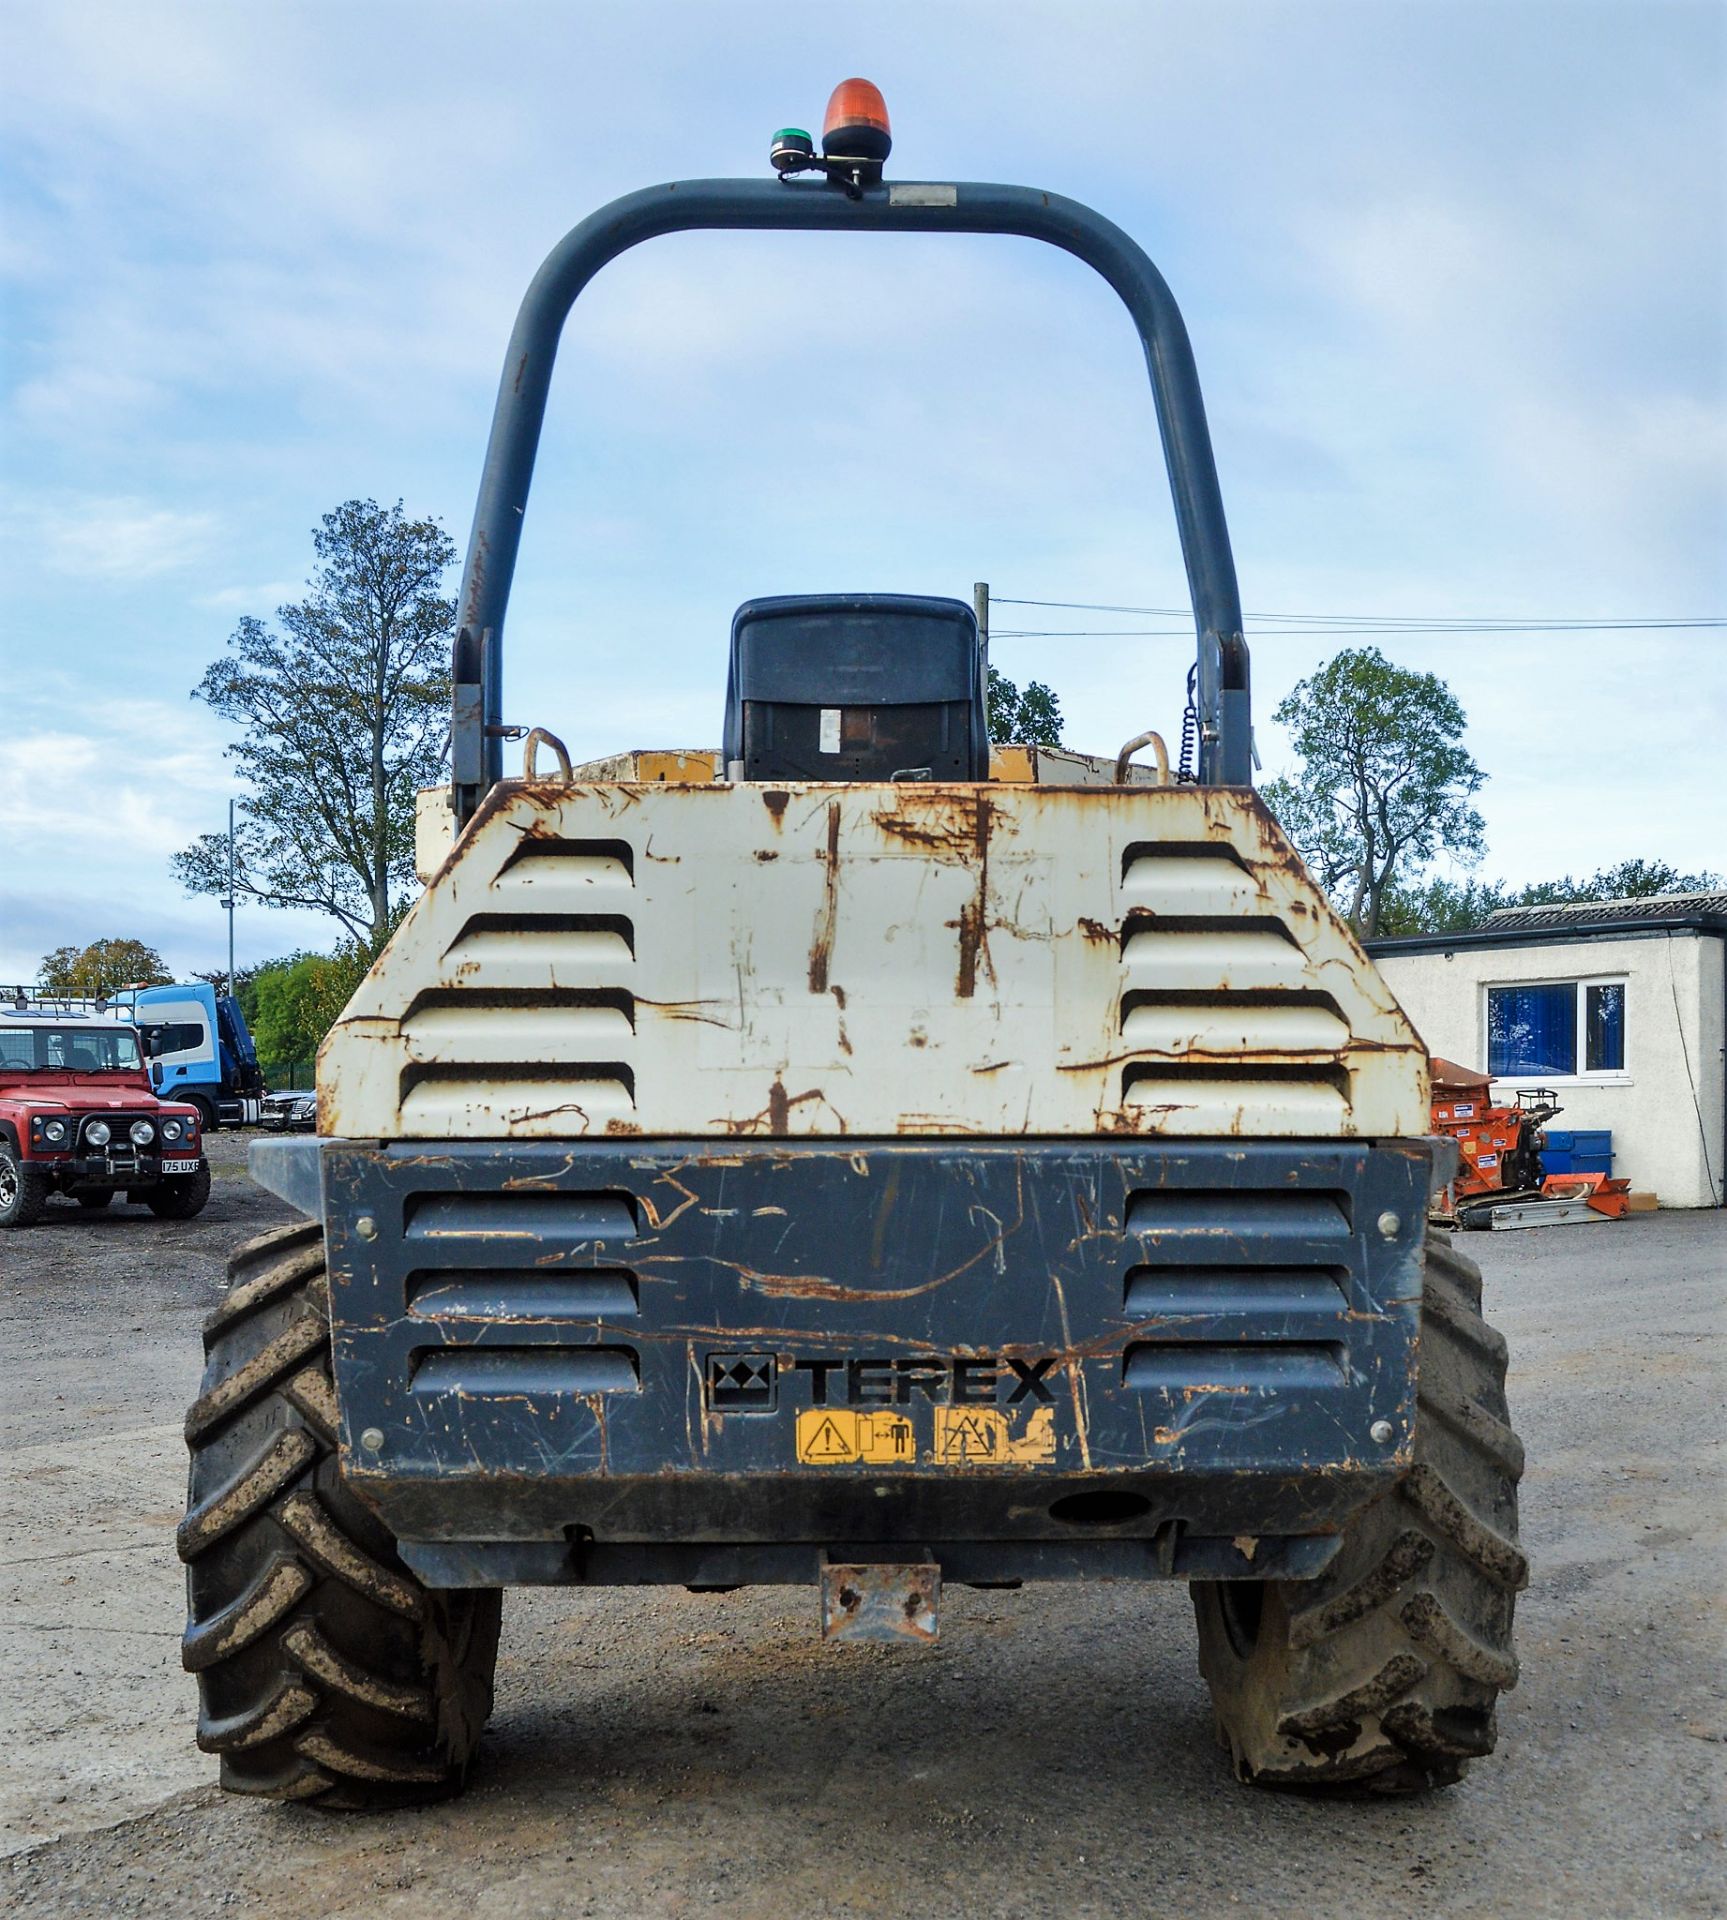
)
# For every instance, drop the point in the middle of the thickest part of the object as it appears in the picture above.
(179, 1166)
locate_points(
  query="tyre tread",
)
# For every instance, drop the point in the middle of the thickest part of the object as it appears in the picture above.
(1386, 1669)
(326, 1672)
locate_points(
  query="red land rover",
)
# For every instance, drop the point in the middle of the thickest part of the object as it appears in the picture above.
(77, 1116)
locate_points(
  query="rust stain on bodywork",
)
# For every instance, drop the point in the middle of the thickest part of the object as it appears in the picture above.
(821, 947)
(954, 827)
(697, 1010)
(974, 916)
(775, 1117)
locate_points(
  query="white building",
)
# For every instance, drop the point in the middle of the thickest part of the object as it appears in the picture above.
(1620, 1006)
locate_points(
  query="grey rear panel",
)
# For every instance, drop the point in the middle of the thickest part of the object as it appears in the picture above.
(589, 1359)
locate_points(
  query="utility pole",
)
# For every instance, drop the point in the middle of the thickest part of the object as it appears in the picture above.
(980, 606)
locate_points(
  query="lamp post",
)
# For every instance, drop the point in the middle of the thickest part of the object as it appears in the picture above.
(229, 901)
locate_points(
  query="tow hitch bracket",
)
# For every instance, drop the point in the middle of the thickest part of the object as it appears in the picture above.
(885, 1603)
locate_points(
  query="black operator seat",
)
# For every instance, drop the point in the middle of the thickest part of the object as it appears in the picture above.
(861, 686)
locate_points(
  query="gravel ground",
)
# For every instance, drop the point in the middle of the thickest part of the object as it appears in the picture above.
(663, 1753)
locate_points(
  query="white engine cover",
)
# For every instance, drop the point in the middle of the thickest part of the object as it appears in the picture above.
(751, 960)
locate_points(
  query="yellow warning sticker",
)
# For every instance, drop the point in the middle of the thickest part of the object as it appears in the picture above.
(848, 1437)
(985, 1437)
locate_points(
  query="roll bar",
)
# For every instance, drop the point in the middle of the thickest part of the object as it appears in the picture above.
(683, 206)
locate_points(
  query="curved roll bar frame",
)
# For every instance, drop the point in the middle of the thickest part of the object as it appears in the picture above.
(893, 207)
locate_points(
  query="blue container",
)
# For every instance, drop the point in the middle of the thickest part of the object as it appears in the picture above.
(1563, 1161)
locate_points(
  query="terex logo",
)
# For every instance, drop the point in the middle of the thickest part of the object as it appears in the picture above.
(975, 1381)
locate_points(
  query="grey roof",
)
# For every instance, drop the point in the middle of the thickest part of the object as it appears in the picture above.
(1660, 915)
(1606, 913)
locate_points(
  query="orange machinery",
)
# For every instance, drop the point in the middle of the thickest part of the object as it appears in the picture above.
(1500, 1147)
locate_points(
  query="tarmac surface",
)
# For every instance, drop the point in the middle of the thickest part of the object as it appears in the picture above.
(665, 1753)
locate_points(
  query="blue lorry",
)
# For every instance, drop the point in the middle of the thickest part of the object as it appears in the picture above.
(199, 1050)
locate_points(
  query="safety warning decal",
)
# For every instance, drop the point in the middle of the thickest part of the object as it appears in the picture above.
(846, 1437)
(985, 1437)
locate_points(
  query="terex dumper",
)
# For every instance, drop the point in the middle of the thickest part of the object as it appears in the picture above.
(866, 1156)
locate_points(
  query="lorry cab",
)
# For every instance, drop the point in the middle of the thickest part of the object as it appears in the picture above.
(199, 1050)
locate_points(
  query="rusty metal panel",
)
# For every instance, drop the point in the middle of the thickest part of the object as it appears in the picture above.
(434, 831)
(654, 766)
(757, 961)
(837, 1342)
(708, 1566)
(880, 1604)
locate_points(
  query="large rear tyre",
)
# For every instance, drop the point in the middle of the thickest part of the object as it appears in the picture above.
(1383, 1673)
(326, 1671)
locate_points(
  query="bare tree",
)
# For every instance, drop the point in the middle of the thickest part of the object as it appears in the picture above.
(343, 708)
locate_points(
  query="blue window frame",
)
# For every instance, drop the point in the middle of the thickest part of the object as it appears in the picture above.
(1556, 1030)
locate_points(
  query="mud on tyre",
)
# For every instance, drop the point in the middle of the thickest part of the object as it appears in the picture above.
(1383, 1673)
(326, 1671)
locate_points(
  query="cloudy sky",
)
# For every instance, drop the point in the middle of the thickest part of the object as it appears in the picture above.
(1456, 277)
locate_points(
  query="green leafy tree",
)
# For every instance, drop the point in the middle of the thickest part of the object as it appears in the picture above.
(1031, 719)
(1627, 880)
(246, 983)
(286, 1016)
(1444, 906)
(343, 712)
(291, 1004)
(1384, 784)
(1441, 906)
(103, 967)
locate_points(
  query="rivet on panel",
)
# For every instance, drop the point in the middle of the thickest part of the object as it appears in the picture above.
(367, 1228)
(1389, 1225)
(1382, 1433)
(372, 1439)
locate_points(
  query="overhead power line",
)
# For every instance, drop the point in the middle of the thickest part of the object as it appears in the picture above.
(1388, 619)
(1319, 629)
(1308, 625)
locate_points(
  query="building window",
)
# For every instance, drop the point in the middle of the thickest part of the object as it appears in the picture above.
(1604, 1026)
(1556, 1030)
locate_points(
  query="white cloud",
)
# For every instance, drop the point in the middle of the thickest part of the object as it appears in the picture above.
(78, 392)
(90, 816)
(114, 791)
(1489, 341)
(261, 601)
(118, 539)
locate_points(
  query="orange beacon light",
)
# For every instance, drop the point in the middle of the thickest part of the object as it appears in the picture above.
(856, 126)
